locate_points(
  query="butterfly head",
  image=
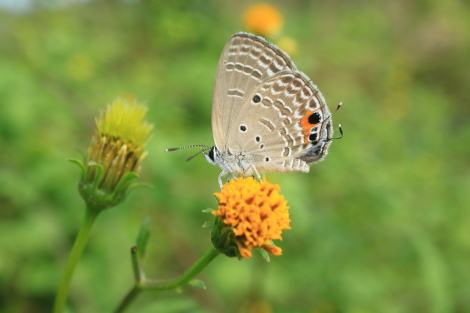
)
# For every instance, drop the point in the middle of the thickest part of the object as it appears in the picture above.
(212, 155)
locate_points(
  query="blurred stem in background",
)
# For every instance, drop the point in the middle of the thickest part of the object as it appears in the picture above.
(79, 245)
(142, 283)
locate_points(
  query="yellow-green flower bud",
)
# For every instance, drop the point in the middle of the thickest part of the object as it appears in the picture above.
(115, 154)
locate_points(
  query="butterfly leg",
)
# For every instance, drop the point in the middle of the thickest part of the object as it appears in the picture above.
(231, 176)
(222, 174)
(256, 171)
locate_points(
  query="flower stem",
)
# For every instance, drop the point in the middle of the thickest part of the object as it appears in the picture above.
(128, 299)
(175, 284)
(184, 279)
(78, 246)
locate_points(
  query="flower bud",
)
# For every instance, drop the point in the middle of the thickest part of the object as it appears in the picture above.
(115, 154)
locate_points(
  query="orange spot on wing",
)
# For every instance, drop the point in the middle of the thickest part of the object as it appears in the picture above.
(306, 126)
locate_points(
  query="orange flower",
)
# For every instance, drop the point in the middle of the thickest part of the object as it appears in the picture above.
(253, 214)
(262, 19)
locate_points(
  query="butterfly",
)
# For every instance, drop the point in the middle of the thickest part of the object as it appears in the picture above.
(266, 115)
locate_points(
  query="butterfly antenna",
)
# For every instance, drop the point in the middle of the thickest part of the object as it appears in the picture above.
(192, 146)
(340, 131)
(339, 125)
(191, 157)
(338, 107)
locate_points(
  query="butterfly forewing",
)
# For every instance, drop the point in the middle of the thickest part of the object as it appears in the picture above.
(246, 61)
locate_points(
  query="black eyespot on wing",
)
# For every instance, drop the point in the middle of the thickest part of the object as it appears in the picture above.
(258, 138)
(243, 128)
(315, 118)
(313, 137)
(256, 99)
(267, 159)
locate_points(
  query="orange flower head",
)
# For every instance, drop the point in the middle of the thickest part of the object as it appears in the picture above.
(251, 214)
(262, 19)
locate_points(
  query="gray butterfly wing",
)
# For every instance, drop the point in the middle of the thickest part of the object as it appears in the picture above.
(284, 124)
(246, 61)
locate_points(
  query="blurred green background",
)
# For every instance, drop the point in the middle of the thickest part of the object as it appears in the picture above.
(382, 225)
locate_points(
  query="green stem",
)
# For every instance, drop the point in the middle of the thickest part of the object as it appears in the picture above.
(175, 284)
(128, 299)
(184, 279)
(78, 246)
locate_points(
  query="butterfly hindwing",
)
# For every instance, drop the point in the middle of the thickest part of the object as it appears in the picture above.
(285, 117)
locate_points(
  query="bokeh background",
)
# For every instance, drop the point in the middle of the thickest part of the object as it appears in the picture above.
(382, 225)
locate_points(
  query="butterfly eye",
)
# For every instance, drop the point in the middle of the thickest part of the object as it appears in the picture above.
(256, 99)
(212, 154)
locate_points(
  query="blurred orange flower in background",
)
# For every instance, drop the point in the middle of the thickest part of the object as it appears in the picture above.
(262, 19)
